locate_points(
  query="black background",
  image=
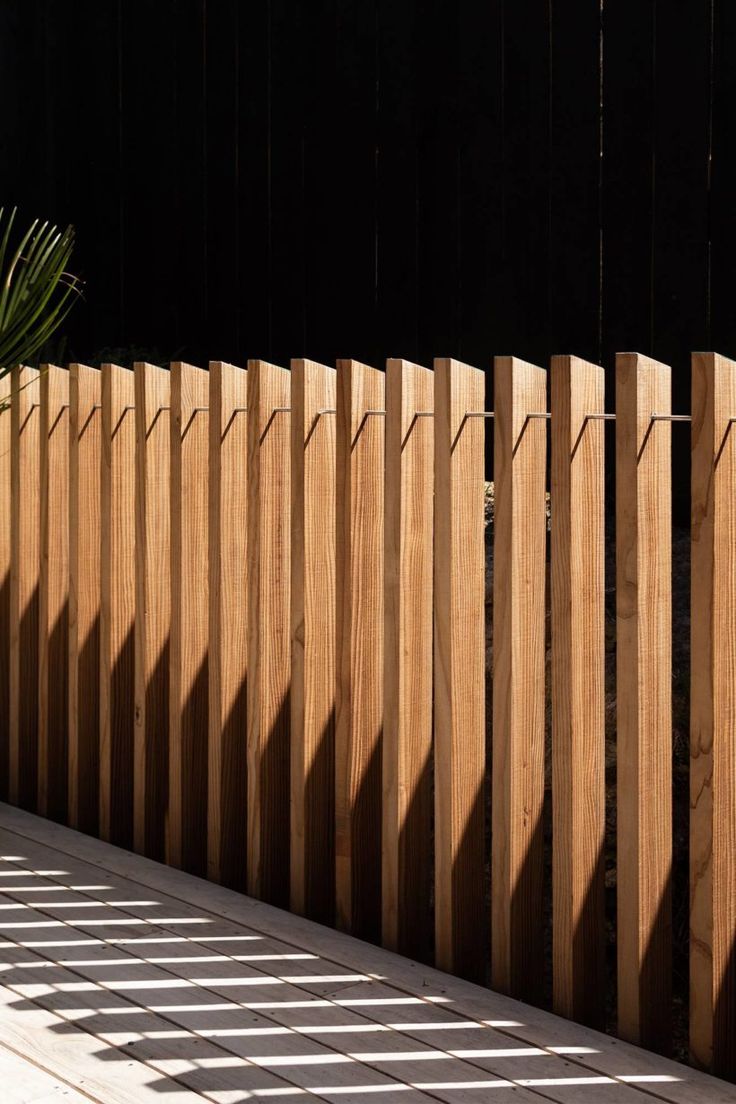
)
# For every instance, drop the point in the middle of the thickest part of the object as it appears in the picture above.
(373, 178)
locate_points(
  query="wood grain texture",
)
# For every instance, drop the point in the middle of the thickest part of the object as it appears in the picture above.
(518, 678)
(85, 463)
(5, 543)
(186, 838)
(459, 671)
(117, 605)
(578, 698)
(228, 545)
(313, 640)
(644, 701)
(713, 706)
(24, 571)
(152, 609)
(268, 570)
(407, 867)
(359, 648)
(53, 643)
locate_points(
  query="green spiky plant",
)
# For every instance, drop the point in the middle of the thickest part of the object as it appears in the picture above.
(36, 290)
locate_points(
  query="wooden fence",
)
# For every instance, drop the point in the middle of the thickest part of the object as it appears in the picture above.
(243, 630)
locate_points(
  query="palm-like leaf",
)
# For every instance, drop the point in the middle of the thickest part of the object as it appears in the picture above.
(36, 291)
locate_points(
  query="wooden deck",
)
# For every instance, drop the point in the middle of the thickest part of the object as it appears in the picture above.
(126, 982)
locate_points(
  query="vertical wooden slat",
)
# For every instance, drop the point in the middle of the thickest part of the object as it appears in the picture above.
(313, 640)
(24, 570)
(228, 512)
(117, 605)
(518, 678)
(152, 609)
(53, 593)
(85, 462)
(459, 670)
(578, 701)
(713, 708)
(359, 648)
(186, 838)
(644, 701)
(407, 716)
(5, 542)
(269, 438)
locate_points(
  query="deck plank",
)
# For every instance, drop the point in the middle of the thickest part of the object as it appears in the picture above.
(322, 990)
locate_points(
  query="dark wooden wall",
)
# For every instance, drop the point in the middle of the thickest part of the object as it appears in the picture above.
(368, 178)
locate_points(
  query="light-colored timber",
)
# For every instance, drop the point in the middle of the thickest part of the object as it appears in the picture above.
(578, 698)
(359, 644)
(227, 666)
(713, 709)
(313, 640)
(186, 838)
(520, 447)
(117, 605)
(644, 701)
(53, 604)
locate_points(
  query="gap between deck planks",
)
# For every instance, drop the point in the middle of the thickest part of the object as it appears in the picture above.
(532, 1027)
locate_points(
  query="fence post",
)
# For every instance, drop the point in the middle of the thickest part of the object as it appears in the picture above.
(117, 605)
(359, 643)
(24, 570)
(407, 723)
(578, 699)
(713, 707)
(313, 640)
(53, 593)
(228, 512)
(186, 840)
(644, 701)
(85, 461)
(5, 542)
(518, 678)
(269, 543)
(459, 670)
(152, 608)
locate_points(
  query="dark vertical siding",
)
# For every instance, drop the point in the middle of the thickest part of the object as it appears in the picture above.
(346, 178)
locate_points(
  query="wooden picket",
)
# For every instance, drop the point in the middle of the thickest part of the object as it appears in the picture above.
(85, 459)
(578, 698)
(5, 542)
(53, 605)
(459, 669)
(713, 707)
(520, 406)
(312, 639)
(153, 604)
(24, 576)
(245, 626)
(359, 647)
(117, 604)
(268, 574)
(186, 840)
(407, 715)
(228, 627)
(644, 697)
